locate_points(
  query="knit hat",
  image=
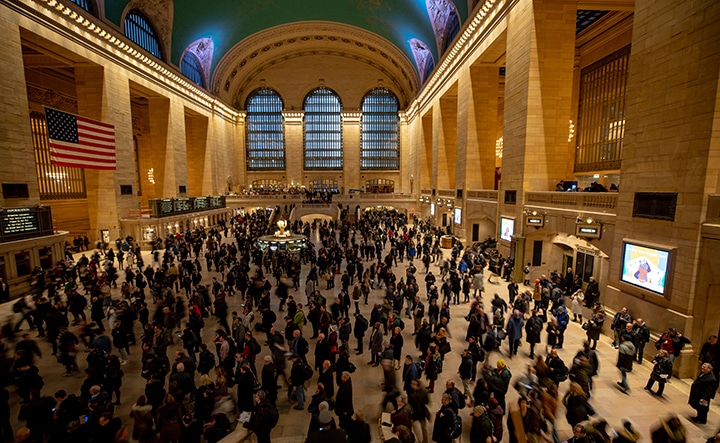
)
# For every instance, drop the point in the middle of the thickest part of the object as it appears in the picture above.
(480, 410)
(501, 363)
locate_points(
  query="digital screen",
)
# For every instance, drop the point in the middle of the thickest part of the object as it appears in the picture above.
(645, 267)
(19, 221)
(432, 208)
(507, 228)
(458, 216)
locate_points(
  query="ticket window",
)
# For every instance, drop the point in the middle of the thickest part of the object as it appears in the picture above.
(46, 257)
(22, 264)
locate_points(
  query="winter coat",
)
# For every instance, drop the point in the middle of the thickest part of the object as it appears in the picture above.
(515, 327)
(626, 356)
(577, 302)
(142, 421)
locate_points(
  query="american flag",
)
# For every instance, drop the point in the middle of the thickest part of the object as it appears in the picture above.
(79, 142)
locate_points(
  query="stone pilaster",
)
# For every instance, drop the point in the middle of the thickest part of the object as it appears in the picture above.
(18, 164)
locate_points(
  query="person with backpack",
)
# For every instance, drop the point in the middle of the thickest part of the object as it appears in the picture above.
(298, 377)
(481, 430)
(263, 419)
(445, 422)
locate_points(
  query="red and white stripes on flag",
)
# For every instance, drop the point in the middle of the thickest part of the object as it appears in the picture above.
(80, 142)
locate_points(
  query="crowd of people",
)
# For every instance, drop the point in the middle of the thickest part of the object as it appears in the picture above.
(289, 340)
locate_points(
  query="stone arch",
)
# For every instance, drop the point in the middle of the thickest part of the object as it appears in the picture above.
(424, 60)
(266, 55)
(160, 15)
(445, 20)
(203, 49)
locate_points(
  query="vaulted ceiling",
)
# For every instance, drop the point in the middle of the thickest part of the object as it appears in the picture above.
(228, 22)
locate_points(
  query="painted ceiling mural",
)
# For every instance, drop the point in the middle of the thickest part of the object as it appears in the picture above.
(227, 22)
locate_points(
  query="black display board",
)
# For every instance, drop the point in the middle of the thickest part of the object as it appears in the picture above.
(165, 207)
(26, 222)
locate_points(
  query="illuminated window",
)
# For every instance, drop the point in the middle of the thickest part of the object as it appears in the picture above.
(323, 130)
(139, 30)
(191, 68)
(379, 135)
(265, 131)
(601, 113)
(324, 185)
(55, 182)
(85, 4)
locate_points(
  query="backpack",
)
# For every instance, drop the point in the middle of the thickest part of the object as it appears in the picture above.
(273, 417)
(439, 364)
(461, 400)
(534, 326)
(456, 430)
(308, 371)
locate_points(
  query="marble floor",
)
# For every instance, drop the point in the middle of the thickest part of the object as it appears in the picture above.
(640, 407)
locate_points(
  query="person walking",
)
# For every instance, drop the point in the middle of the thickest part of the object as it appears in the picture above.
(660, 373)
(626, 356)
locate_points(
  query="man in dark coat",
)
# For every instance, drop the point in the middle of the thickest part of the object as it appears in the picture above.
(376, 344)
(263, 419)
(344, 401)
(701, 392)
(361, 325)
(325, 376)
(322, 351)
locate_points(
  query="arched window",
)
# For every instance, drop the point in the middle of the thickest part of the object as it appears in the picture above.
(191, 68)
(379, 135)
(139, 30)
(265, 131)
(323, 130)
(452, 28)
(85, 4)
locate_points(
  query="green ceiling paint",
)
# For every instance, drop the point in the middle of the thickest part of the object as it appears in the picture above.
(230, 21)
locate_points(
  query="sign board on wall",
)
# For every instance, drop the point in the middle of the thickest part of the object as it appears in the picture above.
(585, 230)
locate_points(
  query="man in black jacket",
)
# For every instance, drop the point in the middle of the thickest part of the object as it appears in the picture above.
(660, 373)
(701, 392)
(466, 372)
(361, 325)
(344, 401)
(263, 419)
(297, 380)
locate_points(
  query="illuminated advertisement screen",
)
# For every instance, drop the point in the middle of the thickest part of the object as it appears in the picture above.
(507, 228)
(645, 267)
(432, 208)
(458, 216)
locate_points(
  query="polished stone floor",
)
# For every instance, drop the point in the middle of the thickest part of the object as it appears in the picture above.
(640, 407)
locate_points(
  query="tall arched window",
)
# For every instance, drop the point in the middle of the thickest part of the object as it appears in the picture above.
(139, 30)
(379, 135)
(323, 130)
(265, 131)
(192, 69)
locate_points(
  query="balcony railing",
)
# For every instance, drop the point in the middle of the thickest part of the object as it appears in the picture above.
(483, 194)
(590, 201)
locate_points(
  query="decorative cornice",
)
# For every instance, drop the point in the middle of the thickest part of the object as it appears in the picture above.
(107, 42)
(486, 18)
(52, 98)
